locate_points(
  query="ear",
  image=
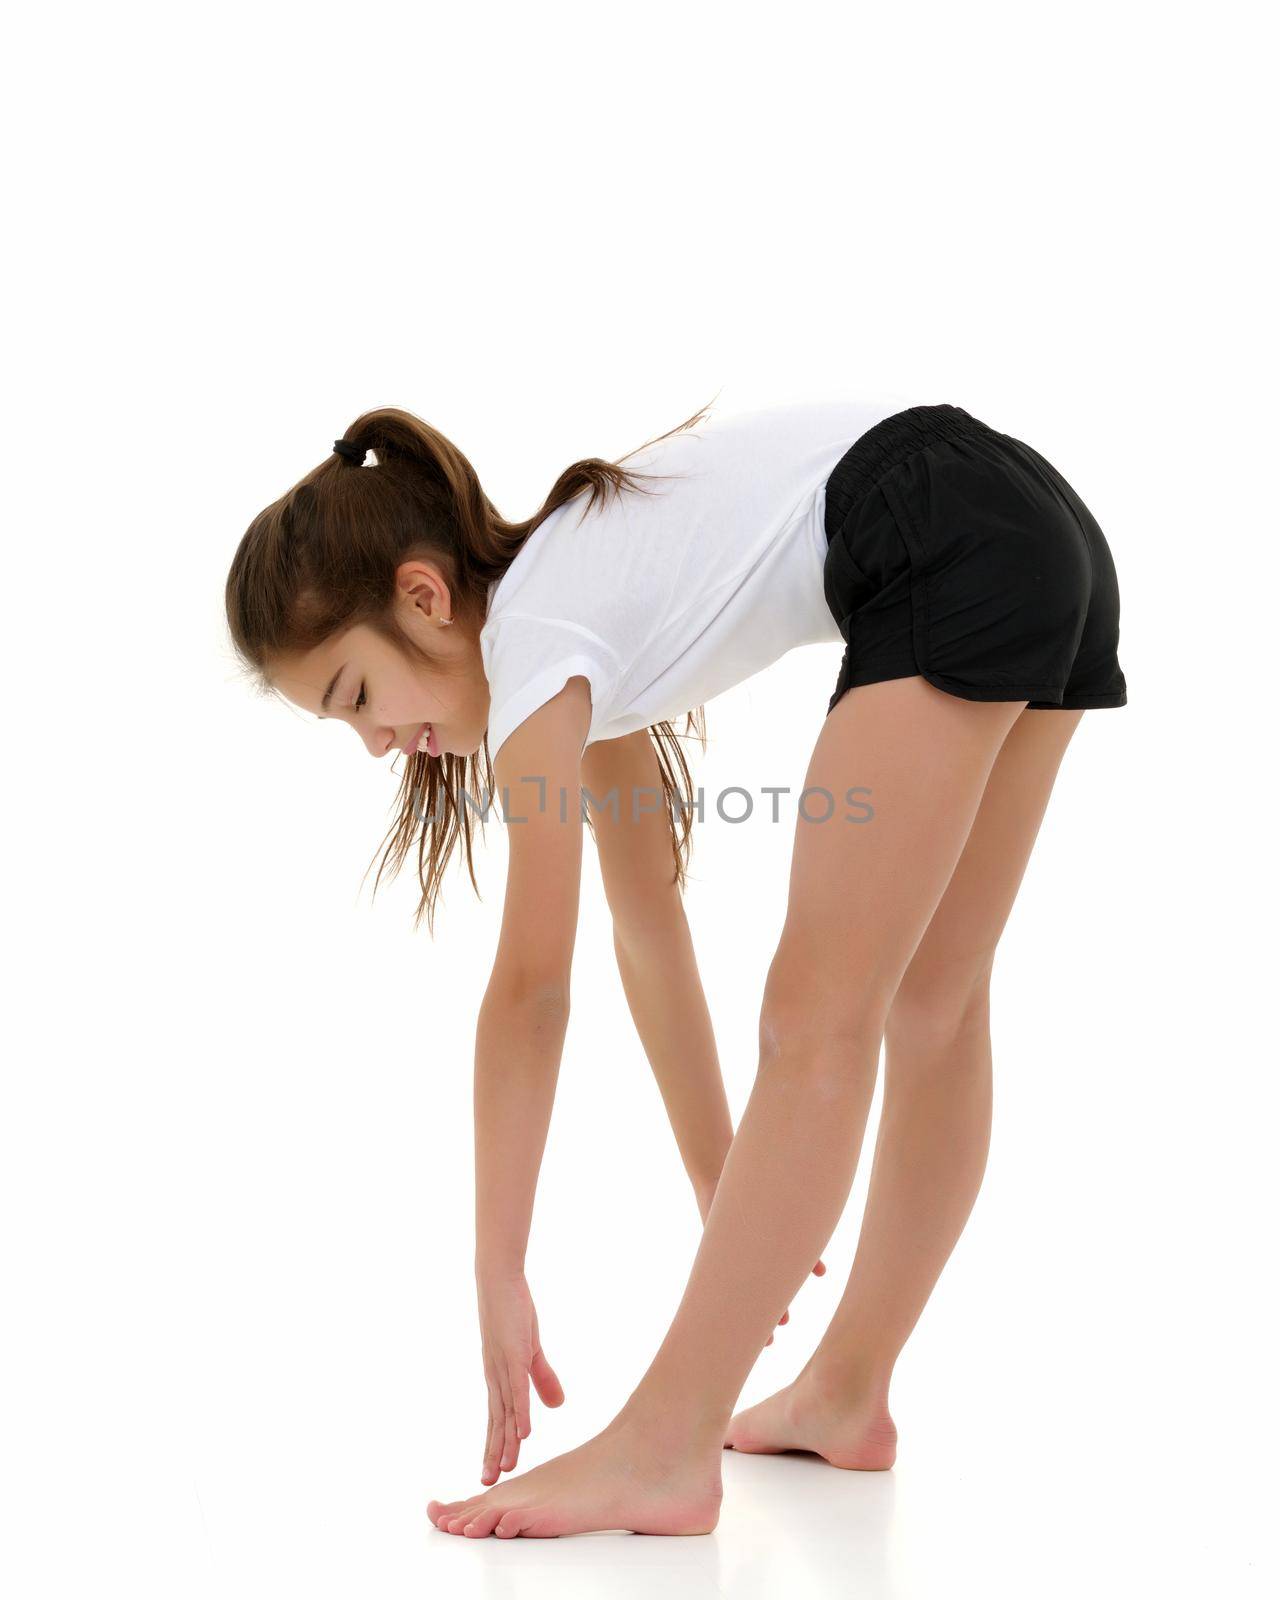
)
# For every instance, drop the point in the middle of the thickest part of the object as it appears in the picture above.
(421, 586)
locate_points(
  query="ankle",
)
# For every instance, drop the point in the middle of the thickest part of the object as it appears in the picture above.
(843, 1383)
(682, 1430)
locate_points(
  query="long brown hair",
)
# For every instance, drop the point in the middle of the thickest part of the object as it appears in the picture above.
(323, 558)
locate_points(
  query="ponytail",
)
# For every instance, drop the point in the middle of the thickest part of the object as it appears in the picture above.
(323, 558)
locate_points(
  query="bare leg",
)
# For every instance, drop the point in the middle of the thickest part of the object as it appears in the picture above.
(861, 897)
(934, 1129)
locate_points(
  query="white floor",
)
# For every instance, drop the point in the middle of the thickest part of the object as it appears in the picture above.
(935, 1526)
(1092, 1511)
(330, 1504)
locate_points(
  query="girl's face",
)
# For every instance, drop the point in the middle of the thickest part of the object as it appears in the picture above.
(360, 678)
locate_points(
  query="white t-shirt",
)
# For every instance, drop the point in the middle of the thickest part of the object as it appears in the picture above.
(665, 598)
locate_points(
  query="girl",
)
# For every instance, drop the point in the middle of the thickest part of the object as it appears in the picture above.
(973, 590)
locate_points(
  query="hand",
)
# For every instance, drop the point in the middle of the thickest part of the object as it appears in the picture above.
(705, 1196)
(513, 1354)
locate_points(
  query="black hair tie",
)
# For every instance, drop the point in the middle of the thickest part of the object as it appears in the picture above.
(354, 453)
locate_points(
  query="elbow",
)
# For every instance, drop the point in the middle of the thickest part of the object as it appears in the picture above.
(539, 990)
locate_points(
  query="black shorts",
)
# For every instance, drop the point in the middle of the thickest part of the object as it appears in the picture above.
(959, 554)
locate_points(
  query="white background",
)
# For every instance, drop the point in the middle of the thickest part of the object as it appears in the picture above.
(241, 1339)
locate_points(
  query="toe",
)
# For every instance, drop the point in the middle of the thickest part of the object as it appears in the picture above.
(483, 1522)
(439, 1508)
(510, 1523)
(441, 1511)
(543, 1522)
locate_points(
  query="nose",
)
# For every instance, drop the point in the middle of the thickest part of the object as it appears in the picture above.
(377, 741)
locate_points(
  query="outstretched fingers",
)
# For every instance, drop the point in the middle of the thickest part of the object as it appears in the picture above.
(510, 1411)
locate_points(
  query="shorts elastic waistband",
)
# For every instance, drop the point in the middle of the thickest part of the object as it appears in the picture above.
(886, 444)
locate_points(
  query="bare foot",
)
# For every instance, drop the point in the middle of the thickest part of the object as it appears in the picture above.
(847, 1432)
(616, 1480)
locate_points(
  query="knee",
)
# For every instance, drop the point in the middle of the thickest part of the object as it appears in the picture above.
(935, 1007)
(832, 1026)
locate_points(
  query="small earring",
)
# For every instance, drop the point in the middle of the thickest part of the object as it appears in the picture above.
(446, 622)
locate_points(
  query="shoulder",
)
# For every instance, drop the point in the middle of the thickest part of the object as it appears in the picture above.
(529, 659)
(547, 742)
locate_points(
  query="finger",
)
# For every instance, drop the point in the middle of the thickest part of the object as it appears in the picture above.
(550, 1390)
(510, 1444)
(493, 1442)
(493, 1439)
(520, 1384)
(511, 1448)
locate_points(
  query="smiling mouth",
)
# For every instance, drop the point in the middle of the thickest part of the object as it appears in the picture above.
(421, 743)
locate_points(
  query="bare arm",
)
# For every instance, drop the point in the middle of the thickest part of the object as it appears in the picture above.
(520, 1033)
(655, 952)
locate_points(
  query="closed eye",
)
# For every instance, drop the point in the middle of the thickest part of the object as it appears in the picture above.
(360, 698)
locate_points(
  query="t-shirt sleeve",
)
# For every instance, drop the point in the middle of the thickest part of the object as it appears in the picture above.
(530, 659)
